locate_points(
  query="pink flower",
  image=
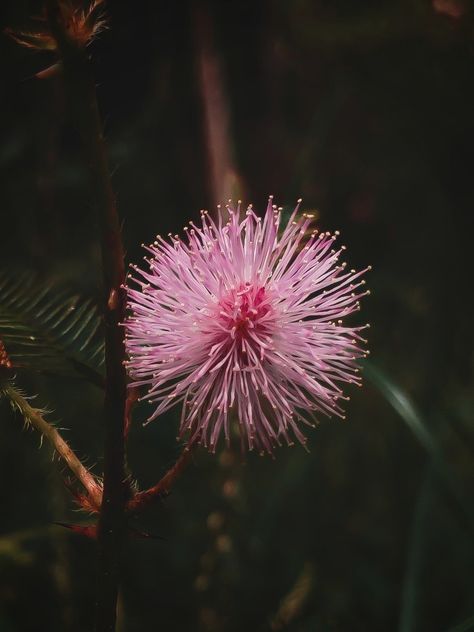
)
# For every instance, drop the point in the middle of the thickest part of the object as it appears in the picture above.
(243, 323)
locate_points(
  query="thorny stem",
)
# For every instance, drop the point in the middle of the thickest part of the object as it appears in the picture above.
(36, 419)
(112, 526)
(142, 499)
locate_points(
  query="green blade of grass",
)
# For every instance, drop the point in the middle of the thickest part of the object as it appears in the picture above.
(405, 408)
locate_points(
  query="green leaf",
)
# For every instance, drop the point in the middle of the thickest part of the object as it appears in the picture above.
(46, 328)
(402, 404)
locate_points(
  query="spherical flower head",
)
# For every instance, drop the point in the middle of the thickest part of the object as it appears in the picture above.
(242, 322)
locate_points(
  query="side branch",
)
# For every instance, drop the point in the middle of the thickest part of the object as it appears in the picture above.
(35, 417)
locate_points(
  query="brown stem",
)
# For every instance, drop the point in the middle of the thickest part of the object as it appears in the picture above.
(144, 498)
(36, 419)
(112, 527)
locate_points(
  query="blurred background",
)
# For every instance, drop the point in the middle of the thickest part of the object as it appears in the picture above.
(364, 109)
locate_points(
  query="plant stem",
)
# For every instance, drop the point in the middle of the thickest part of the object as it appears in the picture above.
(36, 419)
(112, 527)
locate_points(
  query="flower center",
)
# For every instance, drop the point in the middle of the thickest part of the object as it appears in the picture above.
(245, 312)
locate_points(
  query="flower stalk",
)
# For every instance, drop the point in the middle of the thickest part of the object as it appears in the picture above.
(144, 498)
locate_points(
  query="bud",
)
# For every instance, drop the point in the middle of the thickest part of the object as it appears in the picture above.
(79, 25)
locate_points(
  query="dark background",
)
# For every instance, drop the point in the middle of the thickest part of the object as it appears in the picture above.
(365, 109)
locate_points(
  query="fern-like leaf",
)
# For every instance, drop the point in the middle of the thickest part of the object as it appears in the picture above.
(46, 328)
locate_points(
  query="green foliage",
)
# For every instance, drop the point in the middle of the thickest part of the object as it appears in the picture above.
(46, 328)
(401, 403)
